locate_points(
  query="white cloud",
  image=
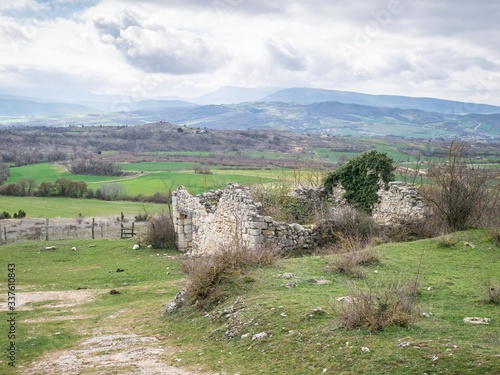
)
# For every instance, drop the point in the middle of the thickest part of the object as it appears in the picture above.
(441, 48)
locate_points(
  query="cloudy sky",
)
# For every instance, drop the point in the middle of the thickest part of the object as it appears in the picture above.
(435, 48)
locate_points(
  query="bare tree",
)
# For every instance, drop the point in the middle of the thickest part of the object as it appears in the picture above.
(460, 192)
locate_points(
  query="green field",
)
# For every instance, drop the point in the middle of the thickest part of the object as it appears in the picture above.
(148, 177)
(72, 207)
(452, 280)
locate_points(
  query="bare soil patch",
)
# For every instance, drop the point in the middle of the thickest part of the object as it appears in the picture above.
(125, 354)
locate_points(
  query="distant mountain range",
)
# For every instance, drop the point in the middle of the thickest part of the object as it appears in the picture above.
(303, 110)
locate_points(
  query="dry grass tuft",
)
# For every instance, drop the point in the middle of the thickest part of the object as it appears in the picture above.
(376, 308)
(210, 276)
(355, 253)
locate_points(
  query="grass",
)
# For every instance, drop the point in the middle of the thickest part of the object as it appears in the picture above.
(71, 207)
(301, 338)
(155, 177)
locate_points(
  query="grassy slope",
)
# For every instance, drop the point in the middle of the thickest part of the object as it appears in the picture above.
(298, 343)
(301, 344)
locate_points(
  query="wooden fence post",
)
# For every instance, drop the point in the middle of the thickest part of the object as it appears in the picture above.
(5, 234)
(46, 229)
(93, 223)
(0, 235)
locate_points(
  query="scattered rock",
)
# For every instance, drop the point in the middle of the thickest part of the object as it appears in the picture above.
(92, 246)
(114, 291)
(150, 246)
(135, 247)
(291, 285)
(244, 336)
(477, 320)
(259, 336)
(178, 300)
(73, 248)
(426, 314)
(364, 349)
(50, 248)
(472, 246)
(316, 312)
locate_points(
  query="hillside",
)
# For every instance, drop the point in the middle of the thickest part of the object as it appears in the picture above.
(65, 296)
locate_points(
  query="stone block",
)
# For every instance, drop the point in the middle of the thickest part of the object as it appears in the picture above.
(256, 240)
(255, 232)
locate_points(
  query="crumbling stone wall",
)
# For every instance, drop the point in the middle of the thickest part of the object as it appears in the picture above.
(401, 203)
(204, 222)
(225, 217)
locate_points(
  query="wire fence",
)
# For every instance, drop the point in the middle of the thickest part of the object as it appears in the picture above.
(43, 229)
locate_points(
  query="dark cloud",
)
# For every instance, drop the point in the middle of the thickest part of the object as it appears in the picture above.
(157, 49)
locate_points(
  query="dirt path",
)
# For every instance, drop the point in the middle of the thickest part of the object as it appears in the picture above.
(126, 354)
(121, 353)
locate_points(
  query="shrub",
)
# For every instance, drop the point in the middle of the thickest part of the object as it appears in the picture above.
(360, 178)
(278, 203)
(459, 191)
(376, 308)
(495, 236)
(446, 241)
(5, 215)
(210, 276)
(201, 170)
(354, 254)
(160, 232)
(347, 222)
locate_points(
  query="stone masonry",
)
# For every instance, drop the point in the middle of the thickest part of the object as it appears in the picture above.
(207, 221)
(231, 217)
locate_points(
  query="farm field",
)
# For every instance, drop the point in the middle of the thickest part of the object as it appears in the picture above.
(65, 310)
(72, 207)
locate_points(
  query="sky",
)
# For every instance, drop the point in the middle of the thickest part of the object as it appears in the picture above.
(445, 49)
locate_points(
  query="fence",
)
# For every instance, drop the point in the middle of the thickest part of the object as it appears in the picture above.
(42, 229)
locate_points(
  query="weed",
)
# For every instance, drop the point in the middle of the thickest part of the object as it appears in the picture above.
(446, 241)
(347, 222)
(160, 232)
(376, 308)
(354, 255)
(210, 276)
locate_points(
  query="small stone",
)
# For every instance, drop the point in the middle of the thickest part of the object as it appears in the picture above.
(364, 349)
(135, 247)
(259, 336)
(244, 336)
(477, 320)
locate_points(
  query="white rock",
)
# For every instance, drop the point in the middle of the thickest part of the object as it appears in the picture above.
(259, 336)
(364, 349)
(73, 248)
(135, 247)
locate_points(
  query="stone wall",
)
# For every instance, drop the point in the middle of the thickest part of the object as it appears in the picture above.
(207, 221)
(401, 203)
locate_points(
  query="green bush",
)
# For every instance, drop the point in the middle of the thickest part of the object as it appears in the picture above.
(360, 178)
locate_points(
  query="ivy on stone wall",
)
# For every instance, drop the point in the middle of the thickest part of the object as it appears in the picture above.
(360, 178)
